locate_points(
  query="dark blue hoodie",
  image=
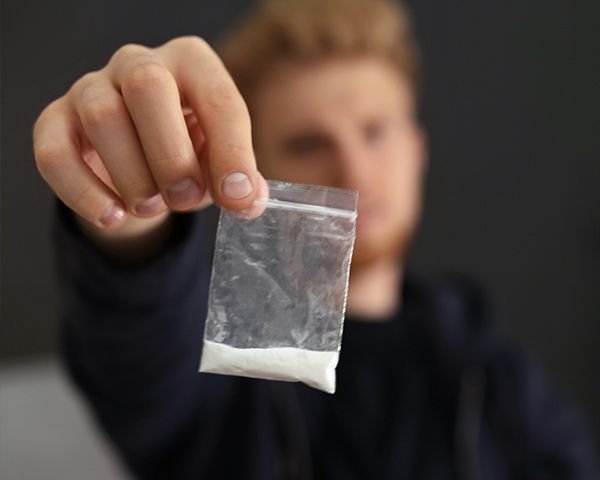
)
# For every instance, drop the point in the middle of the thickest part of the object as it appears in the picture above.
(433, 393)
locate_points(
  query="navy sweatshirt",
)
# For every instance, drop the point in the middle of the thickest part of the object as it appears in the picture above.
(435, 392)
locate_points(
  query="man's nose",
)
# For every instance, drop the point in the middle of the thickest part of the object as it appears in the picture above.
(355, 166)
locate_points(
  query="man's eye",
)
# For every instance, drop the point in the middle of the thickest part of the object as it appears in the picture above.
(305, 146)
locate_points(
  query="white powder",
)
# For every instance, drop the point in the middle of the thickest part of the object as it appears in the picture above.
(316, 369)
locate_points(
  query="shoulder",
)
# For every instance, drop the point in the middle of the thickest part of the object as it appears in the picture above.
(491, 373)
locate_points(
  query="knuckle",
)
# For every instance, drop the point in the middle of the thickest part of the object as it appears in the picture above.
(225, 97)
(50, 157)
(143, 77)
(129, 51)
(82, 200)
(192, 42)
(171, 162)
(46, 117)
(99, 111)
(133, 189)
(236, 150)
(85, 82)
(235, 154)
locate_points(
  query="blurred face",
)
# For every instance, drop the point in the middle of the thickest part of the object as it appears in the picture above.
(347, 123)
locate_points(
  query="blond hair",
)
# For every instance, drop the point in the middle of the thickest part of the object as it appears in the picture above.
(310, 30)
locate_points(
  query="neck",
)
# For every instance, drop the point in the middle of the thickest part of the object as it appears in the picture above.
(373, 292)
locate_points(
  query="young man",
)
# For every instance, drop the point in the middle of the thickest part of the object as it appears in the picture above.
(424, 388)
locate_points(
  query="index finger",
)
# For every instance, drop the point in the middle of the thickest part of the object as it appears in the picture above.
(227, 159)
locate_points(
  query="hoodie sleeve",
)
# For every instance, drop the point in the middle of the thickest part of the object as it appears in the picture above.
(132, 342)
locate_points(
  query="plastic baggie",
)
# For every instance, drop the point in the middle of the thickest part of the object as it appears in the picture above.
(279, 285)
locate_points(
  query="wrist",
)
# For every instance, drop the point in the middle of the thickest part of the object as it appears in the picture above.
(135, 242)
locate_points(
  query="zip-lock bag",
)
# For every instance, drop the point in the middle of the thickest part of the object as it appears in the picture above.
(279, 286)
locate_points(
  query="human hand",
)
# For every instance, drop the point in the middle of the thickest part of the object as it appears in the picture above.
(155, 130)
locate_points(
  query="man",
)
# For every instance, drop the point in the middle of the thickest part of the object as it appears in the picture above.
(424, 388)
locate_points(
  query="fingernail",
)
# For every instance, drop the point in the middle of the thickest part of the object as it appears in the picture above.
(112, 216)
(237, 185)
(151, 206)
(184, 192)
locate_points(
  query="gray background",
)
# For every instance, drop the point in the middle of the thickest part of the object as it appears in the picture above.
(512, 108)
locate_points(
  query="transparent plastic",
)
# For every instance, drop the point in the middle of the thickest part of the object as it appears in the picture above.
(279, 285)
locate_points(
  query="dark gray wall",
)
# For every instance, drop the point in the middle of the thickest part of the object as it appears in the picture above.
(512, 104)
(512, 109)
